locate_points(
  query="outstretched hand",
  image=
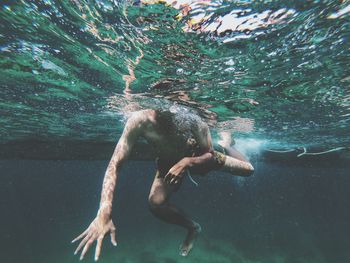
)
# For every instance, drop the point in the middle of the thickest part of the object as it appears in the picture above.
(175, 174)
(99, 227)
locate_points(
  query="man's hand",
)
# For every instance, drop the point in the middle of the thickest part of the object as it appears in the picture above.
(96, 231)
(175, 174)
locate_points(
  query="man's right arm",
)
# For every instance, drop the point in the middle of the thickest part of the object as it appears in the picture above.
(103, 223)
(132, 131)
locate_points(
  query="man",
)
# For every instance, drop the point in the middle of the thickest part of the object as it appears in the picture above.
(182, 141)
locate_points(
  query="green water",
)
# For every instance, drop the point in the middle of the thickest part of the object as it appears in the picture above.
(65, 66)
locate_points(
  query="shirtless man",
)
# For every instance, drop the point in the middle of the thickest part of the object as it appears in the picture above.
(182, 141)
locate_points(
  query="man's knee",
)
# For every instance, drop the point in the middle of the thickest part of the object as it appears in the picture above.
(155, 201)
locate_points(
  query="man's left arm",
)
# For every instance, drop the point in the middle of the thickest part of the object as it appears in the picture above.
(202, 137)
(208, 160)
(233, 164)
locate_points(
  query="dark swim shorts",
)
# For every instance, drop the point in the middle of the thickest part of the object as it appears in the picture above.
(163, 167)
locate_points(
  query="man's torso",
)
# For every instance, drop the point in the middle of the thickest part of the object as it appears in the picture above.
(172, 142)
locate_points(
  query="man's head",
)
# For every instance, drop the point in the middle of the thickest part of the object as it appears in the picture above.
(165, 121)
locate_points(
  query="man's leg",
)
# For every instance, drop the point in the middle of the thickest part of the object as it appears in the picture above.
(230, 150)
(162, 209)
(226, 143)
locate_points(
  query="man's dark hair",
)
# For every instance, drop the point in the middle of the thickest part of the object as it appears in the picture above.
(165, 121)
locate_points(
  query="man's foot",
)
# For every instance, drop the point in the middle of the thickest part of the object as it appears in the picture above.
(187, 245)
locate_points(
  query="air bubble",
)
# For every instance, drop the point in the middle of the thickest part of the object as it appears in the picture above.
(179, 71)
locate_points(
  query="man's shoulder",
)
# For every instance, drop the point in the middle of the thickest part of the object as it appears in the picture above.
(143, 112)
(143, 115)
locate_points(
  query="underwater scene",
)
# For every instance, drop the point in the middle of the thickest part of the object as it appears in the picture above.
(271, 77)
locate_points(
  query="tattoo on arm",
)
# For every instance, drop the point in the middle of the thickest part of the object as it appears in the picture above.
(237, 167)
(132, 131)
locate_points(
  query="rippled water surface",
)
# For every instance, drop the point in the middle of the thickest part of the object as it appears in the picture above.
(269, 70)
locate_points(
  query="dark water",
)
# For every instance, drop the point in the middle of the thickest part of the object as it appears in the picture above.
(275, 74)
(284, 213)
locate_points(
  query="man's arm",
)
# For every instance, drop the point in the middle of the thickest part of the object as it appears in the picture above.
(103, 223)
(235, 164)
(202, 137)
(132, 131)
(209, 159)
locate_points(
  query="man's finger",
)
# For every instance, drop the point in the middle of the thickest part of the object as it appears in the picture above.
(178, 180)
(113, 240)
(98, 248)
(80, 236)
(167, 178)
(87, 246)
(82, 243)
(173, 180)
